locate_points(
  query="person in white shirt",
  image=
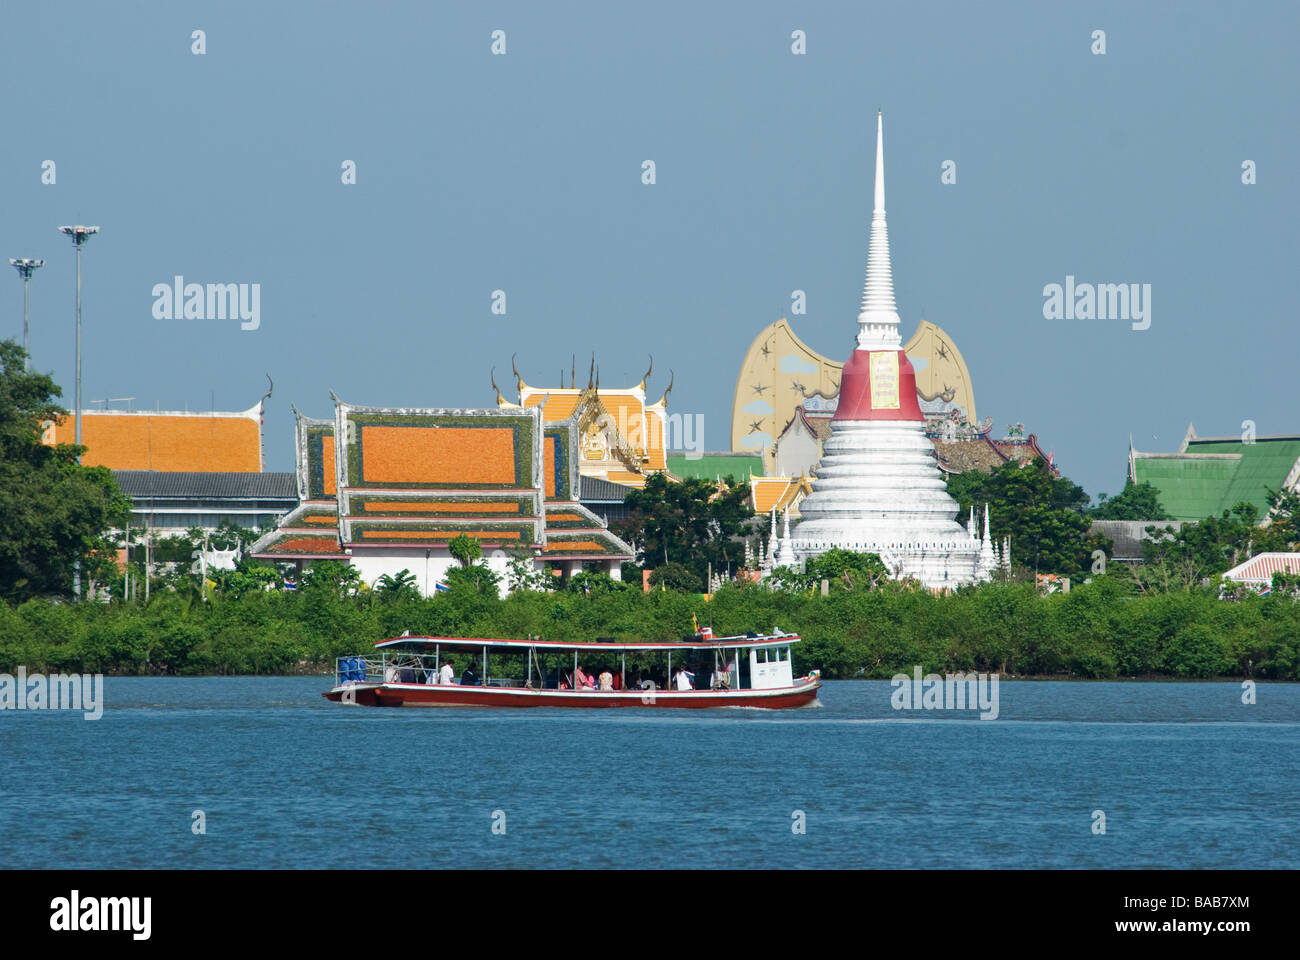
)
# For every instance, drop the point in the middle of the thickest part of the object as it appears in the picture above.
(447, 673)
(685, 679)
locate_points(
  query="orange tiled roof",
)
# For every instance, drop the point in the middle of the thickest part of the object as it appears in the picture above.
(769, 493)
(572, 546)
(304, 545)
(439, 534)
(441, 506)
(640, 429)
(640, 425)
(548, 467)
(438, 454)
(328, 472)
(198, 442)
(560, 406)
(626, 477)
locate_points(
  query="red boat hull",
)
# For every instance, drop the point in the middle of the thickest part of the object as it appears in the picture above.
(801, 694)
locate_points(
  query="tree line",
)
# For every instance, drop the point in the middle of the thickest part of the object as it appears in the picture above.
(1166, 616)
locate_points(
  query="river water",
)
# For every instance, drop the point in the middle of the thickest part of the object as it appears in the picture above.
(1185, 775)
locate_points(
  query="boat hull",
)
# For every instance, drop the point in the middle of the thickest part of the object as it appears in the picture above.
(802, 693)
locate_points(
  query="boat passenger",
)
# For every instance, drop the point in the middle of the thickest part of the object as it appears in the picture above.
(448, 673)
(589, 683)
(606, 681)
(685, 679)
(470, 677)
(390, 673)
(580, 677)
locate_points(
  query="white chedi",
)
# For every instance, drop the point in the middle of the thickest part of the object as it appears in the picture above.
(878, 485)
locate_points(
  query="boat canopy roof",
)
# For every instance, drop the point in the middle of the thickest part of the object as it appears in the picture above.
(767, 640)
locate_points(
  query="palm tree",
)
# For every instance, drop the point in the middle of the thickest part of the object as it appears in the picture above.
(401, 585)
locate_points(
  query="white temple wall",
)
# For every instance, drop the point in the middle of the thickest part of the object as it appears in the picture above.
(796, 452)
(375, 563)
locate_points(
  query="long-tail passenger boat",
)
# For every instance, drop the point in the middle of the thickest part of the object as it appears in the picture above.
(704, 671)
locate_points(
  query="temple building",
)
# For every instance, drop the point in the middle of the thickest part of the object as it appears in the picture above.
(183, 469)
(386, 489)
(878, 486)
(1209, 475)
(621, 438)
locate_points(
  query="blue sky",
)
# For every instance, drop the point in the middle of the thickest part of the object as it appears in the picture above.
(523, 173)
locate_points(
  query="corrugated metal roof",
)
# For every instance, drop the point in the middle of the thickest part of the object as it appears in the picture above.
(1262, 566)
(157, 484)
(1127, 535)
(601, 491)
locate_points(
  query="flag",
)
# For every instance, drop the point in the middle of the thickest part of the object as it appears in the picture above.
(290, 583)
(695, 622)
(440, 587)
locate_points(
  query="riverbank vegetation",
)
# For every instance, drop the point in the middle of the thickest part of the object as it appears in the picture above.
(1100, 630)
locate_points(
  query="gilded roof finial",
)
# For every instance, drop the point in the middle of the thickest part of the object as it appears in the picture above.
(648, 372)
(672, 378)
(519, 381)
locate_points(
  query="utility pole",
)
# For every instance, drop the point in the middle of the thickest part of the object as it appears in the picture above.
(25, 266)
(203, 569)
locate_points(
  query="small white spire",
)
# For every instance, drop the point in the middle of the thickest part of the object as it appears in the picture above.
(785, 549)
(878, 320)
(988, 560)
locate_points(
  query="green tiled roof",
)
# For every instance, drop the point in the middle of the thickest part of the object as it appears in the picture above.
(1264, 466)
(714, 465)
(1214, 475)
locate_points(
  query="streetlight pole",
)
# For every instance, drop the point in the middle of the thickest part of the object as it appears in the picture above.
(79, 235)
(25, 266)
